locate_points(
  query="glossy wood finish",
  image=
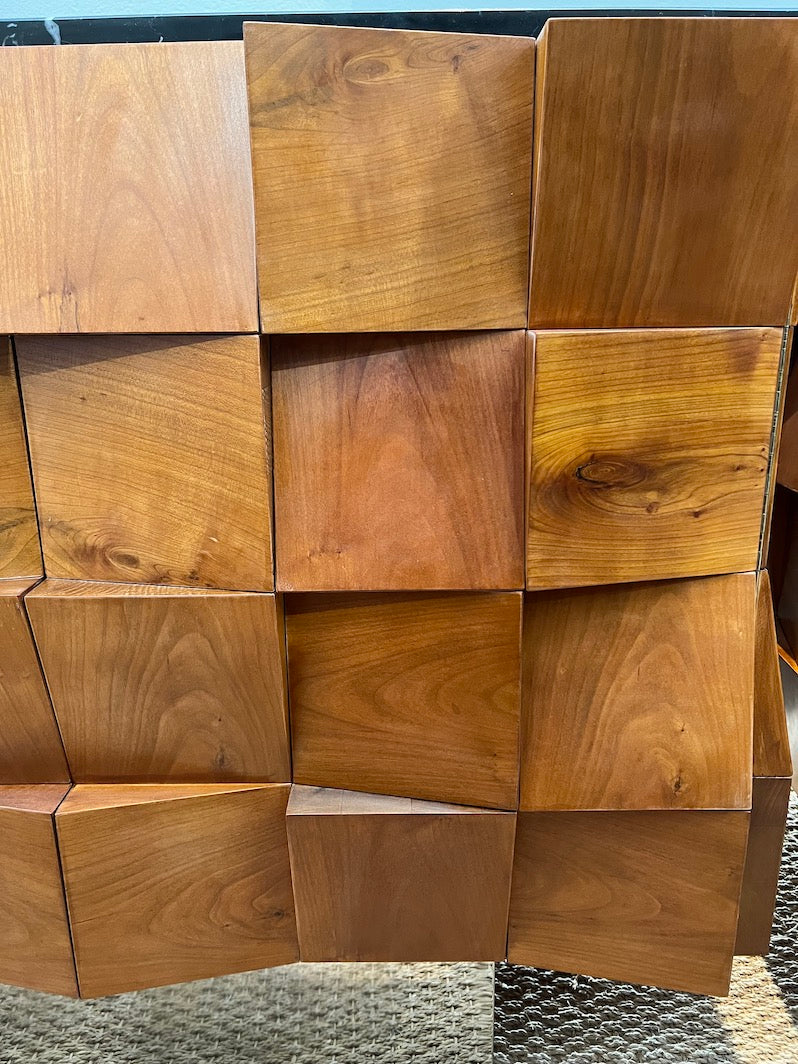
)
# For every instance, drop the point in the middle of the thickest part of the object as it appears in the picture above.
(639, 697)
(125, 193)
(35, 949)
(20, 553)
(165, 684)
(395, 879)
(30, 746)
(392, 174)
(771, 741)
(398, 461)
(177, 885)
(415, 695)
(648, 453)
(641, 897)
(665, 192)
(150, 458)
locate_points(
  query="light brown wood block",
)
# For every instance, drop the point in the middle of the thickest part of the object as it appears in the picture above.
(648, 453)
(30, 745)
(392, 172)
(771, 787)
(150, 458)
(125, 193)
(35, 948)
(415, 695)
(665, 160)
(396, 879)
(172, 883)
(639, 696)
(398, 461)
(640, 897)
(165, 684)
(20, 553)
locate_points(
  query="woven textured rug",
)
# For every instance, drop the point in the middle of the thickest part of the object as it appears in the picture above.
(426, 1014)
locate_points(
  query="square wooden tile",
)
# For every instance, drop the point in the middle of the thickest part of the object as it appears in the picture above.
(407, 694)
(150, 458)
(172, 883)
(398, 461)
(395, 879)
(165, 684)
(125, 189)
(392, 177)
(648, 453)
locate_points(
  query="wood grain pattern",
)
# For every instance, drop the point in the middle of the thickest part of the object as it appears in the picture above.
(165, 686)
(30, 746)
(150, 458)
(125, 194)
(415, 695)
(648, 453)
(392, 173)
(640, 897)
(665, 159)
(20, 553)
(176, 887)
(771, 741)
(410, 885)
(398, 461)
(639, 697)
(35, 948)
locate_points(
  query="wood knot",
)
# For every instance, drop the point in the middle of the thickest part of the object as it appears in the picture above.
(611, 472)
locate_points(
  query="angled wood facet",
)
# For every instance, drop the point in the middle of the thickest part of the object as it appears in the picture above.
(771, 788)
(125, 190)
(150, 458)
(398, 461)
(648, 453)
(415, 695)
(665, 160)
(30, 746)
(35, 949)
(20, 553)
(641, 897)
(395, 879)
(639, 696)
(172, 883)
(165, 684)
(392, 175)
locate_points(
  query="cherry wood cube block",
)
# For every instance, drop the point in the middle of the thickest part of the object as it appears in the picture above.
(639, 696)
(407, 694)
(150, 458)
(638, 896)
(30, 745)
(665, 159)
(173, 883)
(392, 173)
(20, 552)
(398, 461)
(35, 947)
(772, 768)
(648, 452)
(125, 190)
(396, 879)
(165, 684)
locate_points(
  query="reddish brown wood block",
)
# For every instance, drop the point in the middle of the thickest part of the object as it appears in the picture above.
(20, 553)
(150, 458)
(398, 461)
(392, 174)
(165, 684)
(407, 694)
(30, 746)
(395, 879)
(35, 948)
(125, 190)
(665, 159)
(172, 883)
